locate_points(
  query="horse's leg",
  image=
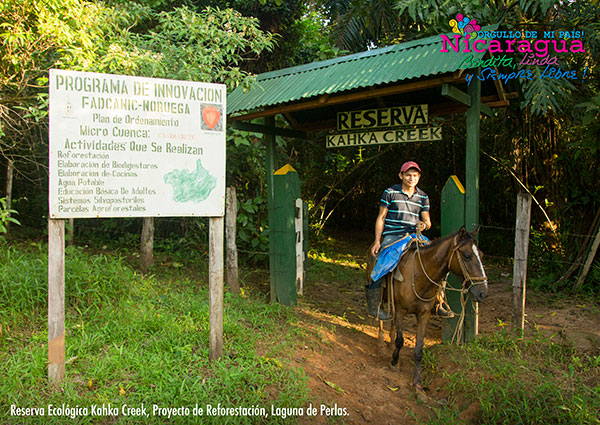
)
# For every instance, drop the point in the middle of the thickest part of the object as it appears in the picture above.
(398, 320)
(422, 319)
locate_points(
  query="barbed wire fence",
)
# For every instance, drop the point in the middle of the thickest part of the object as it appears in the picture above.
(160, 222)
(178, 224)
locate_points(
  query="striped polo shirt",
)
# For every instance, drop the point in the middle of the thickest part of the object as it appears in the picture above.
(403, 211)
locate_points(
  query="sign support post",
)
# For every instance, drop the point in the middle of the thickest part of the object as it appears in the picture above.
(215, 285)
(9, 185)
(56, 300)
(123, 146)
(472, 196)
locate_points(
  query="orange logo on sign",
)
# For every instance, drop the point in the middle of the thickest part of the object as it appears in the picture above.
(211, 116)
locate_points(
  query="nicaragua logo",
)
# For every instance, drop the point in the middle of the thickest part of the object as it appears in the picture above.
(515, 51)
(465, 26)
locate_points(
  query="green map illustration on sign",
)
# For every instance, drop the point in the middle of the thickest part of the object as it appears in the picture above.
(191, 185)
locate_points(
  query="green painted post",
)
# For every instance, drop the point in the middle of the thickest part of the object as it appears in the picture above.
(452, 217)
(282, 234)
(472, 183)
(270, 164)
(472, 157)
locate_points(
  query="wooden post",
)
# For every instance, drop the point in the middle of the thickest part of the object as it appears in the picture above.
(9, 184)
(231, 255)
(215, 285)
(589, 260)
(56, 300)
(270, 164)
(147, 244)
(520, 267)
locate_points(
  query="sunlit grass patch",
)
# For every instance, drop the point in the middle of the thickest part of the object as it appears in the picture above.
(134, 339)
(518, 381)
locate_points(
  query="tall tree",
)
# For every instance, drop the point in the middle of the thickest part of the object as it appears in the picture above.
(278, 17)
(358, 25)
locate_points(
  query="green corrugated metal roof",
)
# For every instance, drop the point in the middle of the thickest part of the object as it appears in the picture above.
(414, 59)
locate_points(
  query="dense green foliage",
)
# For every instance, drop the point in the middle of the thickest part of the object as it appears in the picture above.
(545, 141)
(139, 340)
(207, 45)
(5, 217)
(281, 17)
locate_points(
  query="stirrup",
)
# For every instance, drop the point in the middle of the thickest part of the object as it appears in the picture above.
(441, 312)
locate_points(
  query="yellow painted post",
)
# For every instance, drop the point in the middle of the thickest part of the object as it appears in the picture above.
(282, 233)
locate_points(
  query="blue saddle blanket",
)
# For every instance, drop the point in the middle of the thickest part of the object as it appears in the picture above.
(389, 256)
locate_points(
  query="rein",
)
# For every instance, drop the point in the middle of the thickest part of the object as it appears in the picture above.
(457, 336)
(468, 278)
(442, 285)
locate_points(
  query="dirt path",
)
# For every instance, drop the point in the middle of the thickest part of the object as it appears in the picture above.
(341, 357)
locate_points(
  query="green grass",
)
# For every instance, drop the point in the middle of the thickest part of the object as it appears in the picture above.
(133, 340)
(518, 381)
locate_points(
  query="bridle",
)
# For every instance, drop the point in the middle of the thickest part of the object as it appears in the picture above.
(477, 280)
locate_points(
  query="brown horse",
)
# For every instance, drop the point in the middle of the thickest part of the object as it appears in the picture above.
(421, 270)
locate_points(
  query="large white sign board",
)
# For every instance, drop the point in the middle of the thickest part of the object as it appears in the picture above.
(125, 146)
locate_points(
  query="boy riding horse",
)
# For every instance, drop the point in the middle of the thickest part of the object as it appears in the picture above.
(404, 209)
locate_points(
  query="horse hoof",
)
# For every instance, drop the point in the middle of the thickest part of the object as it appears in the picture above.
(422, 397)
(394, 362)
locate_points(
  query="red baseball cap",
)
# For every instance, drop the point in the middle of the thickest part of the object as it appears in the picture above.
(409, 164)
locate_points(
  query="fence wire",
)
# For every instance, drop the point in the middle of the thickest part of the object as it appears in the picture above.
(179, 221)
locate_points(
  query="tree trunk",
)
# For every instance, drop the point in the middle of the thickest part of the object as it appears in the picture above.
(147, 244)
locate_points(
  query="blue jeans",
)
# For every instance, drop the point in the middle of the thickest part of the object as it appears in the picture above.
(387, 240)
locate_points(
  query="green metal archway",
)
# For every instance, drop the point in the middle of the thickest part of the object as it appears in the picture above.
(310, 96)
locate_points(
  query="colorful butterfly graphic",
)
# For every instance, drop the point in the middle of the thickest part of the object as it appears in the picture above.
(464, 25)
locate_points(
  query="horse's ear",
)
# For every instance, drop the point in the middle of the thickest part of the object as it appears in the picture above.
(462, 231)
(474, 232)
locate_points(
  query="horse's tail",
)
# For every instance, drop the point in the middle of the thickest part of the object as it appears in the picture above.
(370, 263)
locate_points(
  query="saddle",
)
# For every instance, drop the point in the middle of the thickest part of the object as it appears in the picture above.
(396, 273)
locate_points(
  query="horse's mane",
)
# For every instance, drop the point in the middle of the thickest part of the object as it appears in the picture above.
(439, 241)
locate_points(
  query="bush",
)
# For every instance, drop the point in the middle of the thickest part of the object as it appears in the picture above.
(5, 217)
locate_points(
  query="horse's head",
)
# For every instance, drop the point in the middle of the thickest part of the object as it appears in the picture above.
(466, 262)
